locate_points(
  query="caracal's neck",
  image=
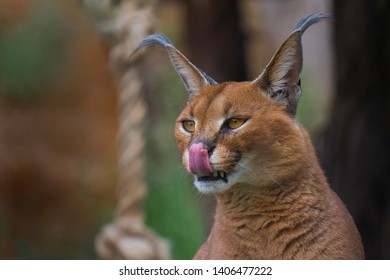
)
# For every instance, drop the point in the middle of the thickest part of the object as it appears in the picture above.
(253, 205)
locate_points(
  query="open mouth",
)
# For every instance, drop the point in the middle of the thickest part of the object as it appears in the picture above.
(215, 176)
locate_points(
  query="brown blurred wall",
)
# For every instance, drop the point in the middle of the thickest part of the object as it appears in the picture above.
(58, 149)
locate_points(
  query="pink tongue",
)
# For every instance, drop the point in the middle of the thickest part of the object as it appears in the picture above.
(199, 160)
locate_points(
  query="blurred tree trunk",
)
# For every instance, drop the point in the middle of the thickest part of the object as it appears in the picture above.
(215, 38)
(354, 149)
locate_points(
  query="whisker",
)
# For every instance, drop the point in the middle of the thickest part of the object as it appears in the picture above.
(271, 176)
(251, 167)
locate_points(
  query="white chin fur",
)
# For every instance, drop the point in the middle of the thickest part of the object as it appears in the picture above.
(210, 187)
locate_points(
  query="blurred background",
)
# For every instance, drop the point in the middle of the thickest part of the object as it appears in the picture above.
(60, 108)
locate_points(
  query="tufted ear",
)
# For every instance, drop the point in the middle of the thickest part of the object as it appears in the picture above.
(280, 80)
(193, 78)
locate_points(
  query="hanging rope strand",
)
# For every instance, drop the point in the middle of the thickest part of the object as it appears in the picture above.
(125, 24)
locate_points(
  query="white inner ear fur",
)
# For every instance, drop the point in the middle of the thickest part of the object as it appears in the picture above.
(279, 78)
(192, 79)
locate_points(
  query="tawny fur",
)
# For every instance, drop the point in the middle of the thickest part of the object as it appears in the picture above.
(273, 199)
(287, 210)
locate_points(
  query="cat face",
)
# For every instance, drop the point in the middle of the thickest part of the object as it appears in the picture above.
(232, 133)
(242, 133)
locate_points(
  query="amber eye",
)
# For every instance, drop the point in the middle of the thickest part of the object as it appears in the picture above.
(234, 123)
(189, 125)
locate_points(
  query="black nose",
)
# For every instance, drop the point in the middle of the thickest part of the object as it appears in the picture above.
(207, 145)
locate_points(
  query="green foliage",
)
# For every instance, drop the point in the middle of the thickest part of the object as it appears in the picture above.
(170, 204)
(312, 107)
(32, 53)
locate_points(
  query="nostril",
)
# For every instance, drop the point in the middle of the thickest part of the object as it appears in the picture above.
(211, 150)
(209, 146)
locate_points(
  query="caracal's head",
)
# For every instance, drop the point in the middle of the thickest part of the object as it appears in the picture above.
(245, 133)
(232, 133)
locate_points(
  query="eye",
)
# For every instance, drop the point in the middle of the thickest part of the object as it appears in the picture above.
(189, 125)
(234, 123)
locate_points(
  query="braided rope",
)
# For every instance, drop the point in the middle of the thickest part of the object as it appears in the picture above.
(128, 237)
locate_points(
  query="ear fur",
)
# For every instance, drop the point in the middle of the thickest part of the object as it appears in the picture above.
(193, 78)
(281, 77)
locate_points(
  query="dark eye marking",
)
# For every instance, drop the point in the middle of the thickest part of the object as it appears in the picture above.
(233, 123)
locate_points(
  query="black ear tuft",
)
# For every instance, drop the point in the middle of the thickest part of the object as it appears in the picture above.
(280, 80)
(194, 79)
(311, 19)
